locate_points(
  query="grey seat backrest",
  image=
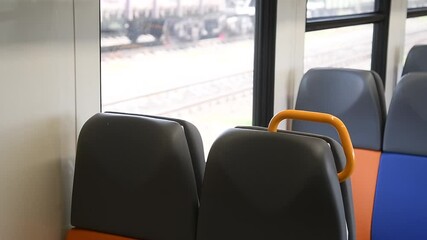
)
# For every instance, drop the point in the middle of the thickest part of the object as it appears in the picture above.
(354, 96)
(194, 142)
(416, 60)
(134, 178)
(261, 185)
(340, 161)
(407, 129)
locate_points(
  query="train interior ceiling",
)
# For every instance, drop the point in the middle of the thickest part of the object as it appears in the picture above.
(216, 64)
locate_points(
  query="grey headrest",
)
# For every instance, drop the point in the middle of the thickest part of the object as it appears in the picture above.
(261, 185)
(416, 60)
(354, 96)
(195, 145)
(134, 178)
(406, 127)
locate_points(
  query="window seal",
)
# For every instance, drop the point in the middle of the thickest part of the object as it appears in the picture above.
(323, 23)
(417, 12)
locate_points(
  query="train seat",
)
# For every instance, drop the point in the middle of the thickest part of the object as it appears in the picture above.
(416, 60)
(263, 185)
(357, 98)
(133, 179)
(339, 160)
(400, 210)
(80, 234)
(194, 142)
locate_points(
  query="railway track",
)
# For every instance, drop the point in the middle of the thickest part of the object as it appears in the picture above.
(149, 44)
(193, 97)
(189, 97)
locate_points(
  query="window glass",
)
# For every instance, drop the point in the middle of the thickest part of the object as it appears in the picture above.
(327, 8)
(417, 3)
(348, 47)
(187, 59)
(416, 32)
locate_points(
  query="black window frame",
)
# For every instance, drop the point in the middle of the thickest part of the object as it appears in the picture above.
(380, 18)
(264, 62)
(265, 34)
(416, 12)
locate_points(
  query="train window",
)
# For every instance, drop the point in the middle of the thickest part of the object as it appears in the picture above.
(187, 59)
(416, 32)
(417, 3)
(327, 8)
(349, 47)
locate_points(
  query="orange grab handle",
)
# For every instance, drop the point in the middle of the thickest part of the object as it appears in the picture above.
(323, 118)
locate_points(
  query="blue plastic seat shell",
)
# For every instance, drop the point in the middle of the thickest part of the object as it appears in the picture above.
(400, 204)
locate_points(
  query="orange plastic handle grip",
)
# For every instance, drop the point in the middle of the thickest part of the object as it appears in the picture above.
(323, 118)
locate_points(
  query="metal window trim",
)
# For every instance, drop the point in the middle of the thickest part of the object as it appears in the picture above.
(264, 62)
(417, 12)
(380, 39)
(323, 23)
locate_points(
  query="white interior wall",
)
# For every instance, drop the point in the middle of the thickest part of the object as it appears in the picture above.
(88, 69)
(38, 106)
(396, 46)
(289, 69)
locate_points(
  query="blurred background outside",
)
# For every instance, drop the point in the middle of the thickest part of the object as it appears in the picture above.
(193, 59)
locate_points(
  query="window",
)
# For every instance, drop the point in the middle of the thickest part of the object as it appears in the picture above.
(416, 32)
(348, 47)
(417, 3)
(188, 61)
(340, 33)
(327, 8)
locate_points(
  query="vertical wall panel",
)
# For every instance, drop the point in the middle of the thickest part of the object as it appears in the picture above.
(396, 45)
(88, 79)
(37, 117)
(289, 52)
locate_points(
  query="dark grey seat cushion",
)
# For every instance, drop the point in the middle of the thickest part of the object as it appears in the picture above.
(416, 60)
(406, 127)
(340, 161)
(260, 185)
(195, 146)
(354, 96)
(134, 178)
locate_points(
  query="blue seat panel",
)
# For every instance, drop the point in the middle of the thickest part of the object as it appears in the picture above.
(400, 208)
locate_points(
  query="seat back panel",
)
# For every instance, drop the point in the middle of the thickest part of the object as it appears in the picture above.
(195, 145)
(416, 60)
(406, 128)
(354, 96)
(134, 177)
(260, 185)
(400, 210)
(340, 162)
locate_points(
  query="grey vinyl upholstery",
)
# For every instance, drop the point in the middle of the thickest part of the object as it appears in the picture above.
(401, 190)
(194, 142)
(261, 185)
(354, 96)
(406, 131)
(134, 178)
(340, 161)
(416, 60)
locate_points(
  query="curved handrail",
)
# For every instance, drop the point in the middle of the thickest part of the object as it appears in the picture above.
(323, 118)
